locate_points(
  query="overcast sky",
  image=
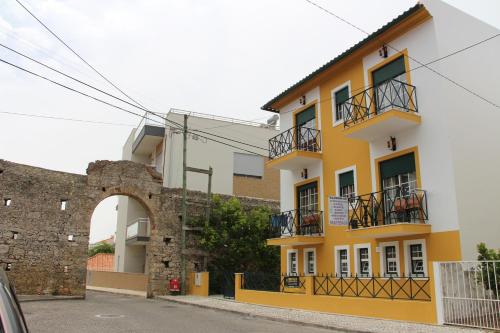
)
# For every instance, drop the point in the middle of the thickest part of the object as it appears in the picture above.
(224, 57)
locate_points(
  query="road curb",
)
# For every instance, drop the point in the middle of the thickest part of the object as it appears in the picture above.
(40, 298)
(281, 320)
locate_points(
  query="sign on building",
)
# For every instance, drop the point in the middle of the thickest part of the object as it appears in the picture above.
(338, 210)
(197, 279)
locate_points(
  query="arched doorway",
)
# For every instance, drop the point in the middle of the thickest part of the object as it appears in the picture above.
(119, 243)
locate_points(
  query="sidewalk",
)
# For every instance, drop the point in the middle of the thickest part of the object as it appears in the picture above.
(317, 319)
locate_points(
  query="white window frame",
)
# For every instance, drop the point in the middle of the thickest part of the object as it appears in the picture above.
(306, 270)
(382, 258)
(288, 261)
(357, 247)
(344, 170)
(407, 254)
(337, 259)
(347, 84)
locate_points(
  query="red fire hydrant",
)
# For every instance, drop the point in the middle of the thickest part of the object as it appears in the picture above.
(174, 286)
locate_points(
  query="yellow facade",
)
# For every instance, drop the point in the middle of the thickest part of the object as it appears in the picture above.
(339, 152)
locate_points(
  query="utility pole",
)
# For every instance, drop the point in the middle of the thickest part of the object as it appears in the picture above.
(209, 207)
(184, 207)
(184, 226)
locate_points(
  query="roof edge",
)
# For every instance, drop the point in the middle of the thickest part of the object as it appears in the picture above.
(269, 105)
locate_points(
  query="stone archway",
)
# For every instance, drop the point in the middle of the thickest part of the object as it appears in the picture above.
(35, 243)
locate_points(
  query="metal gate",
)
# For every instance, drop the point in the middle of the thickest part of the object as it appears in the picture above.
(221, 283)
(470, 293)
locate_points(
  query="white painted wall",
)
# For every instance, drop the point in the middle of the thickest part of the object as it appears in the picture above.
(472, 123)
(458, 138)
(128, 259)
(203, 153)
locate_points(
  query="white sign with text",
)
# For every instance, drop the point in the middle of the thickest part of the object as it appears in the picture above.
(338, 209)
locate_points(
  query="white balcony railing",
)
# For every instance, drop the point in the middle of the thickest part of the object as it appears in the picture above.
(139, 228)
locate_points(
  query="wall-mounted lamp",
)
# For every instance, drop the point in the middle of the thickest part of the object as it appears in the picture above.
(302, 100)
(391, 144)
(383, 51)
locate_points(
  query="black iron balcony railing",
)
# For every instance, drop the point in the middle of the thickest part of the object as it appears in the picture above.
(391, 94)
(390, 206)
(296, 138)
(406, 288)
(296, 223)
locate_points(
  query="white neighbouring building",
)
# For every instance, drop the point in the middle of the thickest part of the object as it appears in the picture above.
(235, 172)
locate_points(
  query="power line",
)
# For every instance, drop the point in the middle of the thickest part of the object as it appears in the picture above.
(419, 67)
(101, 75)
(69, 88)
(30, 115)
(75, 53)
(110, 95)
(222, 137)
(399, 51)
(118, 107)
(76, 80)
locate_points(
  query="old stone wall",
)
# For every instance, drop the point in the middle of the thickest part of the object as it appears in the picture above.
(44, 247)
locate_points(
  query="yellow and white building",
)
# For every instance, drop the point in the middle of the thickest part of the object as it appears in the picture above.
(416, 158)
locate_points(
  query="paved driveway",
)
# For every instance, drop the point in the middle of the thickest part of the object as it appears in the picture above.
(104, 312)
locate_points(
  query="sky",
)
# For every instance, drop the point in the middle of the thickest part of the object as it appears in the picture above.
(222, 57)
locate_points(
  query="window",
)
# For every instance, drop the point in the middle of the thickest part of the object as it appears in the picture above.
(341, 96)
(399, 181)
(248, 165)
(389, 259)
(415, 258)
(310, 261)
(346, 184)
(292, 262)
(308, 198)
(387, 92)
(342, 261)
(64, 204)
(305, 122)
(363, 260)
(7, 202)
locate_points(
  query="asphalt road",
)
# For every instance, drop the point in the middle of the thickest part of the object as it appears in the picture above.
(104, 312)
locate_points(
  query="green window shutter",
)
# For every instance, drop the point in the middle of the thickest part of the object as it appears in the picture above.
(342, 95)
(346, 178)
(389, 71)
(304, 116)
(397, 166)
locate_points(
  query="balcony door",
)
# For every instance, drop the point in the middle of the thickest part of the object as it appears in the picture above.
(305, 123)
(307, 209)
(399, 182)
(388, 86)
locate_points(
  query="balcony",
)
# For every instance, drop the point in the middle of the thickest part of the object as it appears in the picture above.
(294, 148)
(148, 135)
(381, 111)
(393, 212)
(138, 232)
(296, 227)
